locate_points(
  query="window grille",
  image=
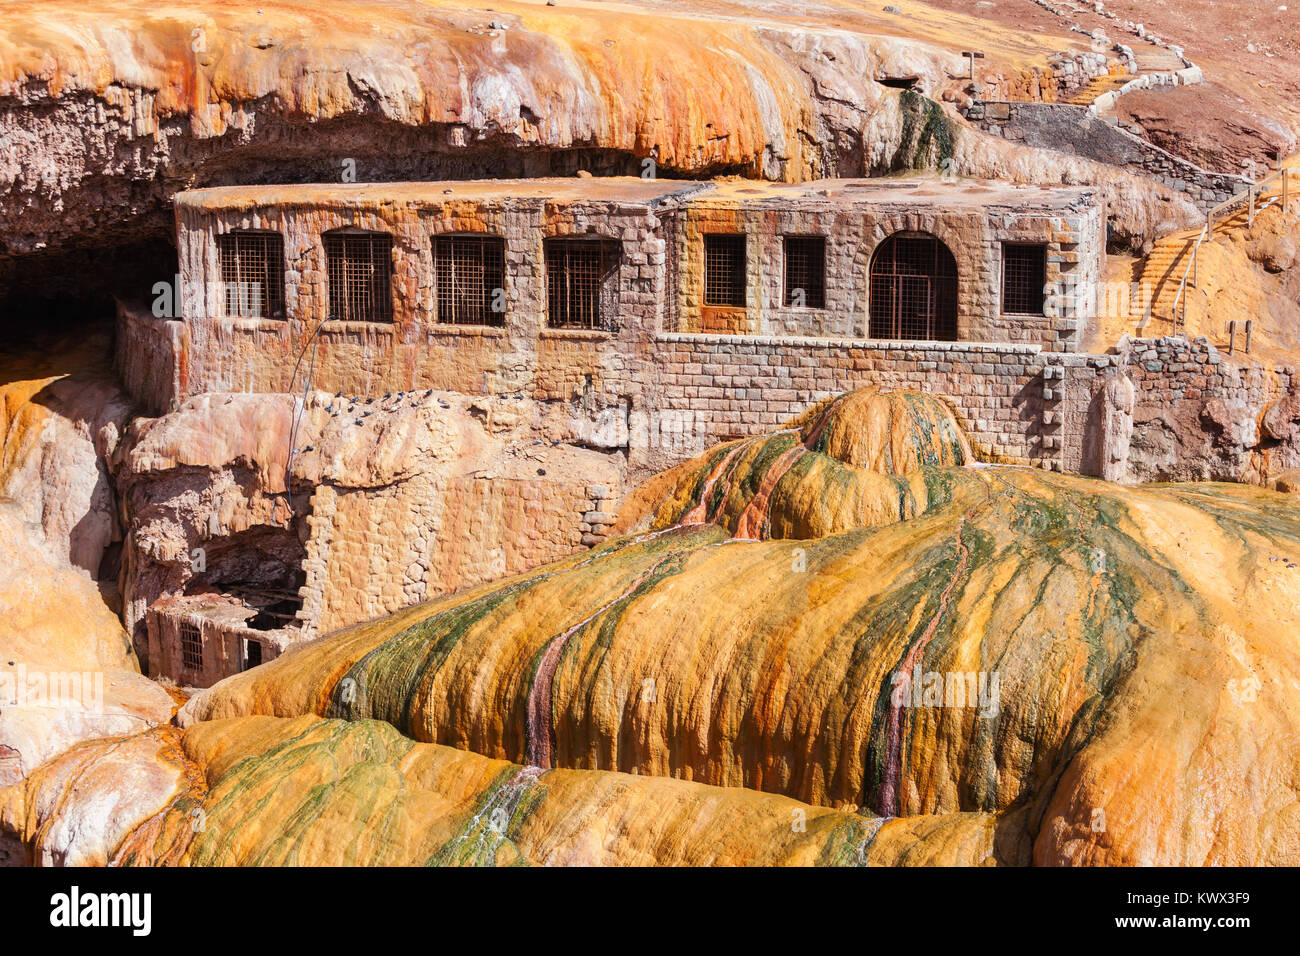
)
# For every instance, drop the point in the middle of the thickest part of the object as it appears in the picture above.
(252, 274)
(1024, 275)
(469, 272)
(913, 289)
(360, 268)
(805, 271)
(191, 646)
(724, 270)
(576, 274)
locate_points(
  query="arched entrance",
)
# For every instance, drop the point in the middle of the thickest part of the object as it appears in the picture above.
(913, 289)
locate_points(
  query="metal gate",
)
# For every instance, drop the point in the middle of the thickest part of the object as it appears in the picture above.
(913, 289)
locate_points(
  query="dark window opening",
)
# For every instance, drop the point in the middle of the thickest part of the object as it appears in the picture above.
(724, 270)
(275, 608)
(805, 272)
(581, 283)
(360, 268)
(261, 568)
(469, 272)
(1024, 276)
(913, 289)
(252, 654)
(191, 646)
(252, 274)
(908, 82)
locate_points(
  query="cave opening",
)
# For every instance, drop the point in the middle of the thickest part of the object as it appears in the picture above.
(261, 568)
(46, 295)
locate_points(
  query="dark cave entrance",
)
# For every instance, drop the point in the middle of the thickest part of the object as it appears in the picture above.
(46, 295)
(262, 568)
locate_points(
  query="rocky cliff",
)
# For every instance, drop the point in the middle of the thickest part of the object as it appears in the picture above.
(105, 119)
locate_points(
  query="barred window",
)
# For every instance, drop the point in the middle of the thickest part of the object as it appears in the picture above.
(913, 289)
(191, 646)
(580, 273)
(805, 272)
(724, 269)
(360, 268)
(252, 274)
(469, 272)
(1024, 274)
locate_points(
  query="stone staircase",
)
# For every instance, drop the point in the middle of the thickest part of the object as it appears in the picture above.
(1170, 267)
(1088, 95)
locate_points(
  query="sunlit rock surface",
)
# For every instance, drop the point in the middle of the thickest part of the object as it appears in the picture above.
(305, 791)
(1108, 672)
(67, 668)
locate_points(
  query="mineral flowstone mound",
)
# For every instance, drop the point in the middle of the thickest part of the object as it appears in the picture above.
(1009, 642)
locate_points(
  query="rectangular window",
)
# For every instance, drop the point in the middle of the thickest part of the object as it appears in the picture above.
(469, 272)
(191, 646)
(805, 272)
(1024, 274)
(252, 654)
(252, 274)
(360, 268)
(724, 270)
(580, 273)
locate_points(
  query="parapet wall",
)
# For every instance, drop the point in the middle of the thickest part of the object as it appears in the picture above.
(147, 355)
(725, 386)
(1080, 131)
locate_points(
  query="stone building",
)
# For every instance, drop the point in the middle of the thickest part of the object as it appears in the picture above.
(641, 319)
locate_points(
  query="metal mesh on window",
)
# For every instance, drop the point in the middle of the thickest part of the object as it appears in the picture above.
(805, 271)
(913, 289)
(469, 272)
(252, 274)
(724, 269)
(191, 646)
(1024, 274)
(576, 272)
(360, 267)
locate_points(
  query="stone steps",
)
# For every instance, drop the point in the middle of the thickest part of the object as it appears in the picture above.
(1098, 87)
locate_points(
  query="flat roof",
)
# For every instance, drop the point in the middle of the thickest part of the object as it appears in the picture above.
(568, 189)
(922, 190)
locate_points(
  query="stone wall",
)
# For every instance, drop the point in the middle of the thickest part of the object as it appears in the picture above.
(1075, 249)
(1080, 131)
(147, 355)
(731, 386)
(456, 532)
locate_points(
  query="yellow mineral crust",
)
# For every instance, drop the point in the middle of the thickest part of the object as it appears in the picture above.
(305, 791)
(1107, 670)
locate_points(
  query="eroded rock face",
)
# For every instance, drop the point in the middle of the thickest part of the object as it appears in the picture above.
(1009, 651)
(67, 669)
(266, 491)
(106, 120)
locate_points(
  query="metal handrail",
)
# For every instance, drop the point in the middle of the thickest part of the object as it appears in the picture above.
(1249, 194)
(1216, 214)
(1182, 286)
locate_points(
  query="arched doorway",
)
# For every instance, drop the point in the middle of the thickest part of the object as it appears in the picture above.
(913, 289)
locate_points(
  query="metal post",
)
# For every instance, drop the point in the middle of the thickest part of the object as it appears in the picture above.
(1232, 336)
(1250, 328)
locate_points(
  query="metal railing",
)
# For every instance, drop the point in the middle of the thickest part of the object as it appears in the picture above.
(1251, 198)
